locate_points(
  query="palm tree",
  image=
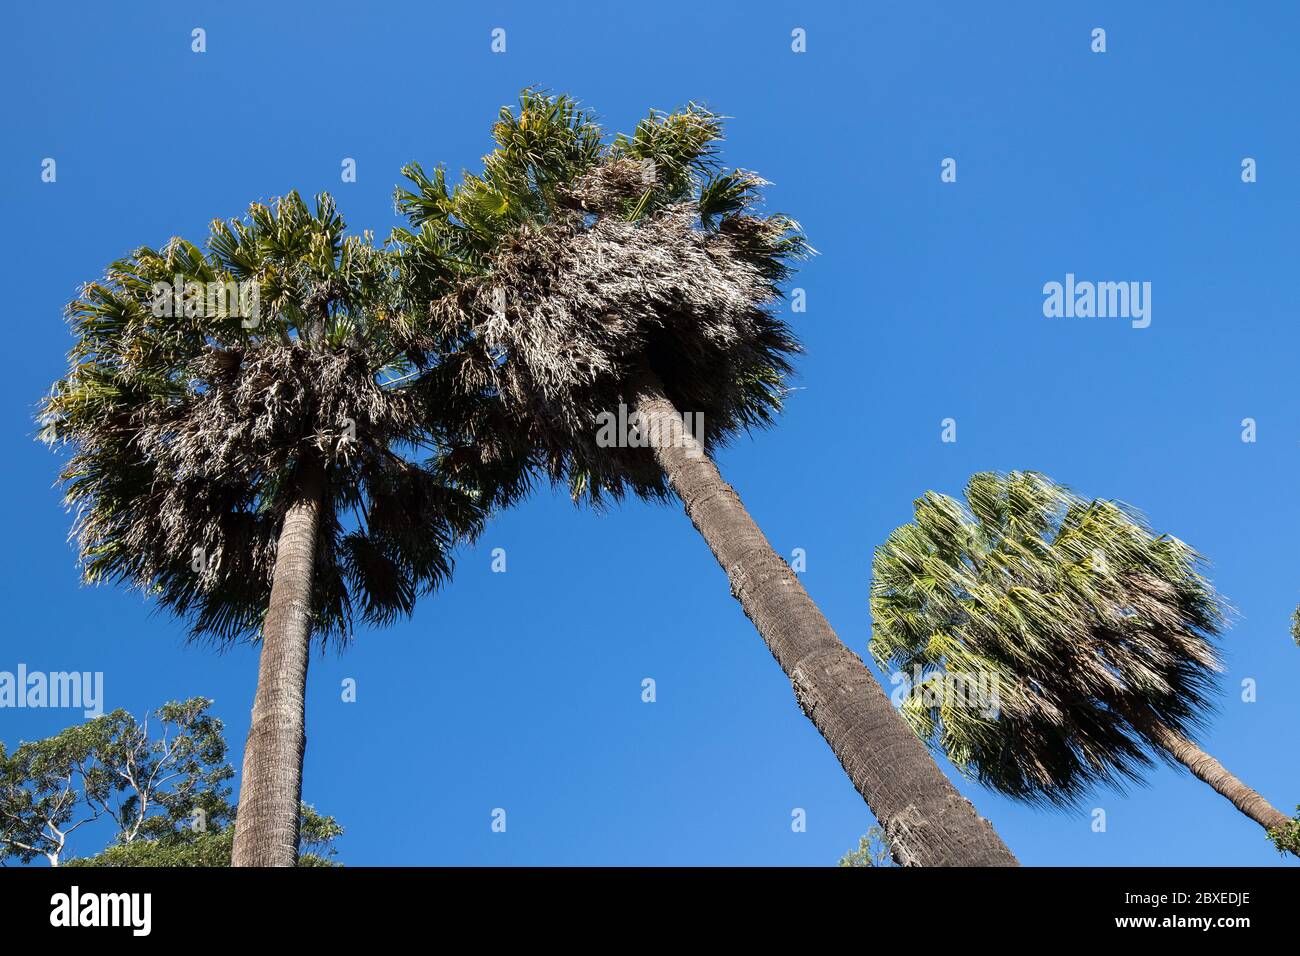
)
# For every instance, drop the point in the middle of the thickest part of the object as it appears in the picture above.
(1053, 643)
(595, 282)
(246, 432)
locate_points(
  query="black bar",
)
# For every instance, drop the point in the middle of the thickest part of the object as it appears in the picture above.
(873, 905)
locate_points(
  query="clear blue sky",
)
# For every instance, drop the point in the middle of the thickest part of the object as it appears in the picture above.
(522, 690)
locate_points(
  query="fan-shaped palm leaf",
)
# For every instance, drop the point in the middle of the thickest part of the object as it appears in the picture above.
(1092, 639)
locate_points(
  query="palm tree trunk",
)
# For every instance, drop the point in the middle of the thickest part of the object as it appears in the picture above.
(925, 820)
(270, 790)
(1209, 770)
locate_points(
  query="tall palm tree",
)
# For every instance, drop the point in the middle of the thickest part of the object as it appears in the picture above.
(256, 470)
(1054, 643)
(597, 280)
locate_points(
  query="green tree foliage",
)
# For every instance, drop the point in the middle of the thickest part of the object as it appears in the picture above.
(160, 784)
(872, 850)
(185, 846)
(1287, 838)
(144, 777)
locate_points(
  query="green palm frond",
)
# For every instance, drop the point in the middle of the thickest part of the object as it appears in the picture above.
(1080, 623)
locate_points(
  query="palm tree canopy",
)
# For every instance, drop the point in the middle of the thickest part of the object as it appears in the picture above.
(1078, 624)
(188, 415)
(574, 260)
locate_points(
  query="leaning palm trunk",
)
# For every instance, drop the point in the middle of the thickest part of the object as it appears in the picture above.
(270, 791)
(1209, 770)
(926, 821)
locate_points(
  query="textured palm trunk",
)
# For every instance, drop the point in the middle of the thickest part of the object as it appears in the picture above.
(926, 821)
(1209, 770)
(270, 790)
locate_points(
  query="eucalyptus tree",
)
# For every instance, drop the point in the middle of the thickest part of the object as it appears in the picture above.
(154, 790)
(251, 448)
(581, 283)
(871, 851)
(1054, 643)
(144, 779)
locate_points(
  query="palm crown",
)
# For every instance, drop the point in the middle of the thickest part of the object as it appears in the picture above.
(572, 262)
(188, 420)
(1091, 632)
(578, 278)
